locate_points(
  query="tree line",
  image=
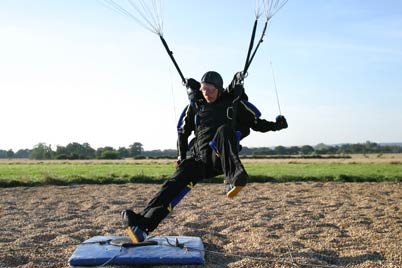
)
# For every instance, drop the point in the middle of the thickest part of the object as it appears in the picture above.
(323, 149)
(72, 151)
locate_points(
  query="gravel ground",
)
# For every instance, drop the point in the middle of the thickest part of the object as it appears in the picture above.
(267, 225)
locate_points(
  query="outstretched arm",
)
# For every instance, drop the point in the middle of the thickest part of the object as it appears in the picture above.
(263, 125)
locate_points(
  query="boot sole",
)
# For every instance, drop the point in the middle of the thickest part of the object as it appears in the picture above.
(132, 236)
(232, 193)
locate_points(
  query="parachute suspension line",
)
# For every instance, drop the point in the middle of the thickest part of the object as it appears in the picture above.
(152, 16)
(147, 13)
(258, 8)
(271, 7)
(154, 25)
(276, 89)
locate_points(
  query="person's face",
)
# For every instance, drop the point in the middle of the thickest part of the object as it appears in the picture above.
(209, 91)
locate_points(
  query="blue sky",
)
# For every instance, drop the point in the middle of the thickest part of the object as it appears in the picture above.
(76, 71)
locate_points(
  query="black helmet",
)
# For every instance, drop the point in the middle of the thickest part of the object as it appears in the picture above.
(213, 78)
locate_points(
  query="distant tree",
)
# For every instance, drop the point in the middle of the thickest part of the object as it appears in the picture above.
(136, 149)
(326, 149)
(152, 153)
(61, 150)
(110, 154)
(280, 150)
(371, 147)
(84, 151)
(306, 149)
(3, 154)
(22, 153)
(75, 150)
(88, 151)
(322, 148)
(262, 151)
(123, 152)
(41, 151)
(246, 151)
(170, 153)
(345, 149)
(62, 157)
(99, 152)
(10, 153)
(293, 150)
(357, 148)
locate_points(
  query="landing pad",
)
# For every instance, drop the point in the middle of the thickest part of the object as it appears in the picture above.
(112, 251)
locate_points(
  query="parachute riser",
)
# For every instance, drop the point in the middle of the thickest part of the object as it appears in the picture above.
(170, 53)
(251, 53)
(258, 45)
(272, 7)
(250, 47)
(239, 78)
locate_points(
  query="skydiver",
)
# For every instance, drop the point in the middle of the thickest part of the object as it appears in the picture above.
(214, 149)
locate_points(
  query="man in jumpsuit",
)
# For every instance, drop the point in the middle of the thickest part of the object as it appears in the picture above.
(214, 149)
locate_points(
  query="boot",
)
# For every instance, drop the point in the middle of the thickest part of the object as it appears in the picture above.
(131, 221)
(239, 182)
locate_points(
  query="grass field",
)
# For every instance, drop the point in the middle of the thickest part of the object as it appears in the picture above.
(358, 168)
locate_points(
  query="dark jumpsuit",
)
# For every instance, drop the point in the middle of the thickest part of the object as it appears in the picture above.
(210, 122)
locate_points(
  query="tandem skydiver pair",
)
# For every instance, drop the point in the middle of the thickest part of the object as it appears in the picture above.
(219, 119)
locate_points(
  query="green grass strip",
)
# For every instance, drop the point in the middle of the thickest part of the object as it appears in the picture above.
(351, 172)
(31, 174)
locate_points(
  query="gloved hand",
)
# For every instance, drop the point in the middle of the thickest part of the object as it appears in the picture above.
(193, 84)
(235, 81)
(238, 90)
(193, 89)
(238, 76)
(281, 122)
